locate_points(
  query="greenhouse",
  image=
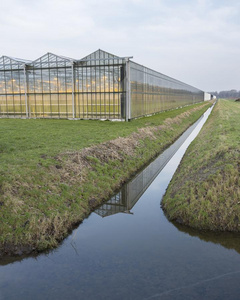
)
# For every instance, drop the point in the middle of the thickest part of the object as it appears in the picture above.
(98, 86)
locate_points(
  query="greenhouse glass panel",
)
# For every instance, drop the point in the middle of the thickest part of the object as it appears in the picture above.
(98, 86)
(12, 90)
(152, 92)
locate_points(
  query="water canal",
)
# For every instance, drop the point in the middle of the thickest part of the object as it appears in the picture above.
(127, 249)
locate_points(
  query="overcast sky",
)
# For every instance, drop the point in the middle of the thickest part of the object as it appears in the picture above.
(195, 41)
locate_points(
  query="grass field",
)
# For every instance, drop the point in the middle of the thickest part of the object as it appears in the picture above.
(205, 191)
(53, 172)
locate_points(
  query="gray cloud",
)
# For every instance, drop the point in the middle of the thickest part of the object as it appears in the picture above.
(194, 41)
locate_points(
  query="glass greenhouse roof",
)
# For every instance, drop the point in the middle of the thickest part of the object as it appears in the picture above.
(8, 63)
(51, 60)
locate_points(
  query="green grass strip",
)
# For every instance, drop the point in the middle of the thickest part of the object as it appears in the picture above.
(205, 190)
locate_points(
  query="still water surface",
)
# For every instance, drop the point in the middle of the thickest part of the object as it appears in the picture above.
(127, 249)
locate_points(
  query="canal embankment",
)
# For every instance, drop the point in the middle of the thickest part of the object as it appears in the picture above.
(205, 191)
(54, 172)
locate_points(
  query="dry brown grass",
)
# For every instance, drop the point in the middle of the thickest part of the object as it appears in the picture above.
(78, 162)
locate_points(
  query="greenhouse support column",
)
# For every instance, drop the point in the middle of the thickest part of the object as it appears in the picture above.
(25, 89)
(73, 104)
(128, 92)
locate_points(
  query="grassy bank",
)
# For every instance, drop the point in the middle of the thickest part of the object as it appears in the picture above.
(53, 172)
(205, 191)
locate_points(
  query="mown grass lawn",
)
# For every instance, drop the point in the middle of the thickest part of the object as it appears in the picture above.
(205, 190)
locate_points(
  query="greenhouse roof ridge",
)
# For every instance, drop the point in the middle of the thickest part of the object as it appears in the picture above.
(96, 55)
(62, 56)
(20, 60)
(99, 52)
(52, 54)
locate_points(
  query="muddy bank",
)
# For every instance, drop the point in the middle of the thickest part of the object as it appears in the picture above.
(78, 182)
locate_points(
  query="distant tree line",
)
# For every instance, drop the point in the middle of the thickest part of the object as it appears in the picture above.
(227, 94)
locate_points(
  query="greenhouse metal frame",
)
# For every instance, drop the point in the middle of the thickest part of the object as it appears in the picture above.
(98, 86)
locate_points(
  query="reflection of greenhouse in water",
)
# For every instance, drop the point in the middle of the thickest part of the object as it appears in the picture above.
(99, 86)
(131, 192)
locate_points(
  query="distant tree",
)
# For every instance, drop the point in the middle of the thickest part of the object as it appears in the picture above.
(227, 94)
(214, 93)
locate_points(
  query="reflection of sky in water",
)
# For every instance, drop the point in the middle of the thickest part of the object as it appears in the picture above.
(167, 172)
(139, 256)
